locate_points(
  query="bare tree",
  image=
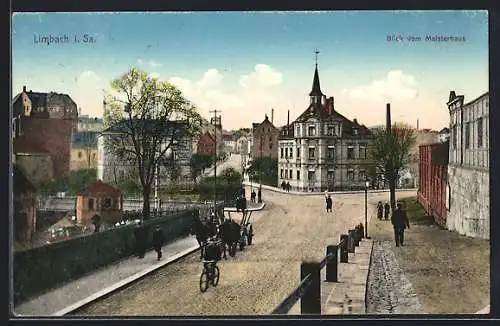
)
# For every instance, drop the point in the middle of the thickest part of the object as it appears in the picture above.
(391, 152)
(147, 118)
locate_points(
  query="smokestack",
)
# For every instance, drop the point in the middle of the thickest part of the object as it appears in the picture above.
(24, 89)
(272, 115)
(417, 124)
(288, 124)
(388, 117)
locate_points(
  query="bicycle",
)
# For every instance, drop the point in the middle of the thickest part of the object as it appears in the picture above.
(209, 275)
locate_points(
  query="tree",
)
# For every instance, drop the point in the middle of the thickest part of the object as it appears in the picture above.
(264, 167)
(149, 119)
(198, 163)
(391, 152)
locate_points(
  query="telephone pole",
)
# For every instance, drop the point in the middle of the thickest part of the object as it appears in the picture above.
(215, 121)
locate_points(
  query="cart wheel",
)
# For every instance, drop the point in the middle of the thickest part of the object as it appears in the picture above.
(242, 243)
(204, 281)
(215, 276)
(250, 236)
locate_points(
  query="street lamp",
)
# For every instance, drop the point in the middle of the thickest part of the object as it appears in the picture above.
(367, 184)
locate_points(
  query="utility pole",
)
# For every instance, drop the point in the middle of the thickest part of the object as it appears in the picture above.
(260, 174)
(215, 121)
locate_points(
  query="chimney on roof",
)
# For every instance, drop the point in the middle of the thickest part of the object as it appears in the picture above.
(24, 89)
(288, 123)
(272, 115)
(388, 117)
(355, 121)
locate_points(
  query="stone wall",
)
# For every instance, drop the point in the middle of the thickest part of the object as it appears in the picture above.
(37, 167)
(470, 202)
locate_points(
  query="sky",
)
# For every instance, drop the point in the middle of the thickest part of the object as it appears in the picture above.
(248, 63)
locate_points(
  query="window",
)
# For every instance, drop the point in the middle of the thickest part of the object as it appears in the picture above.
(330, 131)
(270, 143)
(291, 152)
(480, 132)
(281, 173)
(331, 152)
(91, 203)
(454, 136)
(311, 152)
(298, 130)
(350, 175)
(298, 152)
(467, 135)
(362, 175)
(79, 154)
(312, 131)
(281, 152)
(121, 175)
(355, 131)
(290, 174)
(286, 152)
(298, 175)
(350, 153)
(311, 175)
(286, 174)
(107, 203)
(362, 151)
(330, 175)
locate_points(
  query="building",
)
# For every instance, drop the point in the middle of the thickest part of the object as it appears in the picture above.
(112, 169)
(322, 149)
(265, 139)
(99, 199)
(84, 150)
(468, 170)
(422, 137)
(86, 123)
(444, 134)
(48, 119)
(33, 159)
(205, 145)
(24, 202)
(229, 143)
(433, 189)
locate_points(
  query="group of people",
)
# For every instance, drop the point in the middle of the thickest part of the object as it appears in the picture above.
(399, 220)
(142, 243)
(286, 186)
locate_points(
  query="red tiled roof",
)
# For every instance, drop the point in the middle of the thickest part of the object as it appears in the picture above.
(23, 145)
(98, 187)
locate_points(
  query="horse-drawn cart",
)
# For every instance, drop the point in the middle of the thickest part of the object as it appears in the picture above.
(246, 229)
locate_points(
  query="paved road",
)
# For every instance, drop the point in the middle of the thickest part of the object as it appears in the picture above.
(233, 161)
(288, 230)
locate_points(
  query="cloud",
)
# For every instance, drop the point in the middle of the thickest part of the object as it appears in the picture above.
(263, 75)
(150, 63)
(211, 78)
(395, 86)
(87, 78)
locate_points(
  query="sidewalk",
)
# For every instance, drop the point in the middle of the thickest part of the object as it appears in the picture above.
(70, 296)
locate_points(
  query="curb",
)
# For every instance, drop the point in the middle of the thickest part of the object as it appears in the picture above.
(120, 285)
(258, 208)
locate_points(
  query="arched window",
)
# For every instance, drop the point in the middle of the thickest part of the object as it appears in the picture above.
(91, 203)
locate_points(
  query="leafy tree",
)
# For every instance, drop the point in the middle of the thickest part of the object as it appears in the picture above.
(264, 168)
(74, 183)
(150, 117)
(198, 163)
(391, 152)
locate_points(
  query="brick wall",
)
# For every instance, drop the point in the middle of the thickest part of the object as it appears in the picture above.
(37, 168)
(55, 136)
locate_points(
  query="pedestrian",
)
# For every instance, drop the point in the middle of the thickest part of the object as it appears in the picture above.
(387, 210)
(329, 203)
(326, 194)
(288, 186)
(283, 185)
(380, 210)
(158, 240)
(400, 222)
(252, 196)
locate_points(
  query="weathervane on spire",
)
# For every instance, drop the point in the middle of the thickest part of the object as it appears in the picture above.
(316, 53)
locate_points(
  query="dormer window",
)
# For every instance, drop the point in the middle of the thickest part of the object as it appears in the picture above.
(312, 131)
(355, 131)
(330, 131)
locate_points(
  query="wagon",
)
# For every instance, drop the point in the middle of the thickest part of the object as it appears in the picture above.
(246, 233)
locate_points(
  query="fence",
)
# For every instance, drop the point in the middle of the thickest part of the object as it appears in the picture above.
(309, 289)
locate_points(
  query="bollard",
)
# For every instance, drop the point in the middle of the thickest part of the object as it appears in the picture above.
(331, 266)
(350, 242)
(310, 302)
(344, 255)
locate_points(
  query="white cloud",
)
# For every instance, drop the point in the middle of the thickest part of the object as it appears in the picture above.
(211, 78)
(150, 63)
(263, 75)
(396, 86)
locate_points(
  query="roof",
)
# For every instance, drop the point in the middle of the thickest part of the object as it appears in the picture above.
(84, 139)
(316, 89)
(98, 187)
(227, 137)
(21, 183)
(22, 145)
(40, 99)
(444, 130)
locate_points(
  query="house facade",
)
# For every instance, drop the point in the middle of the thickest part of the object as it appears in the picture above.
(99, 199)
(265, 139)
(322, 149)
(205, 145)
(48, 119)
(87, 123)
(229, 143)
(84, 150)
(468, 170)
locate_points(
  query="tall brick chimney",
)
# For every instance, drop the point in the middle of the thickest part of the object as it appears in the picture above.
(288, 124)
(388, 117)
(272, 115)
(24, 89)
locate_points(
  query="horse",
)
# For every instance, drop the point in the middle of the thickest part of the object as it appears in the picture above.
(229, 233)
(202, 231)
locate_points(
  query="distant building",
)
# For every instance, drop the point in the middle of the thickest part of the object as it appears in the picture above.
(229, 143)
(48, 119)
(86, 123)
(205, 145)
(99, 199)
(468, 170)
(322, 149)
(265, 139)
(24, 217)
(84, 150)
(422, 137)
(444, 134)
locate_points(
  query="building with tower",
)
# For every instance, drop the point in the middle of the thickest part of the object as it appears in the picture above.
(322, 149)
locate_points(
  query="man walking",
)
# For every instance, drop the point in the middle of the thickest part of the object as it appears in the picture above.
(399, 221)
(387, 210)
(329, 203)
(158, 240)
(380, 210)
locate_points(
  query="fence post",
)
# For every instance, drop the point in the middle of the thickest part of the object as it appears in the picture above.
(310, 302)
(331, 265)
(344, 255)
(350, 242)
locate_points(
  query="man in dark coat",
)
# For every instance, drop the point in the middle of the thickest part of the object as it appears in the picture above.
(329, 203)
(158, 240)
(288, 186)
(252, 196)
(387, 210)
(380, 210)
(400, 222)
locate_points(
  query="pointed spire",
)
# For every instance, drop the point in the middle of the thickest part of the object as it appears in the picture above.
(316, 89)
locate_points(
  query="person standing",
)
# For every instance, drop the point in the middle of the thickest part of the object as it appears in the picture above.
(158, 241)
(387, 210)
(400, 222)
(380, 210)
(329, 203)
